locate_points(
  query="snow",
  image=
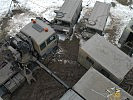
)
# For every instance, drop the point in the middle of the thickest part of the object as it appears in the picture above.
(45, 8)
(121, 12)
(22, 19)
(62, 37)
(4, 6)
(124, 14)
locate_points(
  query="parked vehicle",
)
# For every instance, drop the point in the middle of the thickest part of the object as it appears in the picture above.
(34, 41)
(67, 16)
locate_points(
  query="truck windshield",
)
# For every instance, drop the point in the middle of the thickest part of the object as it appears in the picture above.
(52, 38)
(43, 45)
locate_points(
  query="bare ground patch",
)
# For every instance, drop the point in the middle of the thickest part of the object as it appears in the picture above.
(123, 2)
(113, 30)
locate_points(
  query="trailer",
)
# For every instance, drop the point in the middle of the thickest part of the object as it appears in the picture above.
(10, 79)
(67, 16)
(105, 57)
(126, 40)
(94, 86)
(96, 21)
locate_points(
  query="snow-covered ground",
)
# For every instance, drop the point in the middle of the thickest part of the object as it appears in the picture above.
(4, 7)
(45, 8)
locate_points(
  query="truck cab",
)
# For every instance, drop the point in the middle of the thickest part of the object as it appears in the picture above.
(43, 37)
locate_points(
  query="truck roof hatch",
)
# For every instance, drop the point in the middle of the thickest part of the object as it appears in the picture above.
(37, 27)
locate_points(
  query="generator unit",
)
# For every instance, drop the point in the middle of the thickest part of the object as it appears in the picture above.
(67, 16)
(95, 21)
(105, 57)
(126, 40)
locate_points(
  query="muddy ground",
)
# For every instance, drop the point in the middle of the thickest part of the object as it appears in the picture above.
(65, 64)
(113, 30)
(45, 88)
(125, 2)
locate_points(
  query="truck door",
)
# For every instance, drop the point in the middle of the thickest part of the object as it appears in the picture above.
(43, 48)
(51, 43)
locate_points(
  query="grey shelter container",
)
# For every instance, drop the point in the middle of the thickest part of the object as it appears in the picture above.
(71, 95)
(43, 41)
(96, 21)
(67, 16)
(105, 57)
(93, 86)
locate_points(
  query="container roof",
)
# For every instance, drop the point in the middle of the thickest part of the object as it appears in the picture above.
(36, 31)
(68, 10)
(93, 86)
(71, 95)
(108, 56)
(98, 17)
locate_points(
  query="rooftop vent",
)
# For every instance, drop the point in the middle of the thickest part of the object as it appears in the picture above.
(37, 27)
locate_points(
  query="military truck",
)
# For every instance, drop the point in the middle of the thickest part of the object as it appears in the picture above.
(126, 40)
(95, 21)
(67, 16)
(34, 42)
(105, 57)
